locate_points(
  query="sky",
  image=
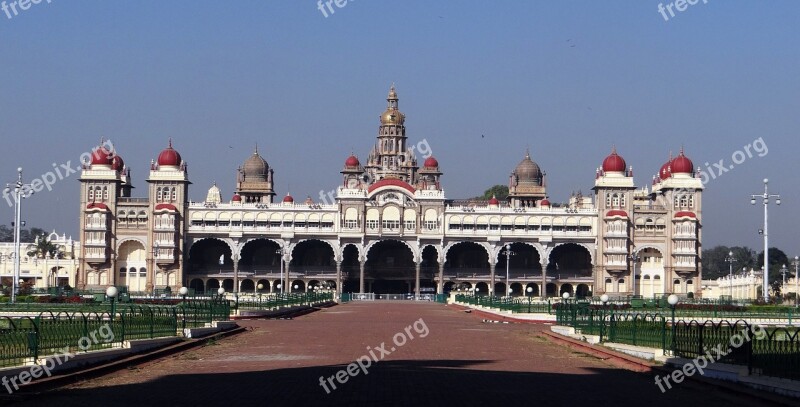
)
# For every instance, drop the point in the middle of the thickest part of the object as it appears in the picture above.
(479, 83)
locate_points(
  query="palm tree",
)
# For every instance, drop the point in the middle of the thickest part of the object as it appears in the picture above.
(43, 247)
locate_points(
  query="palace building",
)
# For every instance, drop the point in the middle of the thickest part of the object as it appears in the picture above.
(391, 229)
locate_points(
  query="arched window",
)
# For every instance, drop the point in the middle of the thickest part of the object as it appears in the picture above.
(159, 195)
(91, 194)
(174, 195)
(105, 193)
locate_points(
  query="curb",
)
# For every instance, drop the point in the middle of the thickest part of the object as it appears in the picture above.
(57, 381)
(736, 392)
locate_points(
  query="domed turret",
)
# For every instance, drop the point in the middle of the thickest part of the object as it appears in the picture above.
(528, 171)
(352, 161)
(431, 162)
(682, 164)
(288, 198)
(614, 162)
(169, 157)
(255, 167)
(102, 156)
(392, 116)
(494, 201)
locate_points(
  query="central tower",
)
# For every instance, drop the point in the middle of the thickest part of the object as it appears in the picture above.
(389, 158)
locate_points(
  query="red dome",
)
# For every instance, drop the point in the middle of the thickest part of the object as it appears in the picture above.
(117, 164)
(614, 162)
(544, 202)
(616, 212)
(288, 199)
(431, 162)
(685, 214)
(682, 165)
(664, 172)
(236, 198)
(494, 201)
(97, 205)
(102, 156)
(169, 156)
(352, 161)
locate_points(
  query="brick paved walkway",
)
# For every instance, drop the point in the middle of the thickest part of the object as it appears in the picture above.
(461, 361)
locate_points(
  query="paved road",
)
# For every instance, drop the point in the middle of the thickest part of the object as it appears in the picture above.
(432, 355)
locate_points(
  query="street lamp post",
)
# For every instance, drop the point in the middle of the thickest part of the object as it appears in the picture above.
(21, 190)
(280, 252)
(730, 260)
(784, 270)
(634, 258)
(673, 301)
(765, 197)
(604, 300)
(509, 253)
(111, 293)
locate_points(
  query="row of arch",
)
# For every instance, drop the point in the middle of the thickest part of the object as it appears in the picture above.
(494, 253)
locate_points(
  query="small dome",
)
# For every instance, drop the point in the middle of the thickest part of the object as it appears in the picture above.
(169, 156)
(528, 171)
(544, 202)
(682, 164)
(101, 156)
(214, 196)
(236, 198)
(391, 116)
(614, 162)
(431, 162)
(352, 161)
(288, 199)
(117, 164)
(255, 168)
(494, 201)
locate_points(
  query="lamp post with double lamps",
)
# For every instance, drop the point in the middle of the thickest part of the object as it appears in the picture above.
(634, 258)
(730, 260)
(20, 191)
(508, 253)
(765, 198)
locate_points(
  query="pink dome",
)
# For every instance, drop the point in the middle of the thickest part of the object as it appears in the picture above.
(288, 199)
(169, 156)
(352, 161)
(431, 162)
(614, 162)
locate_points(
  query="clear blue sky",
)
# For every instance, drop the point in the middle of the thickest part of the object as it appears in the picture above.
(567, 78)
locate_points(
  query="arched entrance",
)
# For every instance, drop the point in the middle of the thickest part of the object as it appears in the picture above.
(467, 261)
(351, 269)
(390, 268)
(132, 264)
(210, 256)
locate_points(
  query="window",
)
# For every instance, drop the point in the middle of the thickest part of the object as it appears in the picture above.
(372, 224)
(159, 195)
(91, 194)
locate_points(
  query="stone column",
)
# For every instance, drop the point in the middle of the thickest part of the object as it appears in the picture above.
(440, 288)
(416, 278)
(338, 290)
(235, 260)
(361, 266)
(543, 291)
(491, 277)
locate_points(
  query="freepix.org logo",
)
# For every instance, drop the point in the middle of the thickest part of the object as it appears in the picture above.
(13, 8)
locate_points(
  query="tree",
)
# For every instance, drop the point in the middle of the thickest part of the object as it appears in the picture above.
(498, 191)
(44, 248)
(777, 259)
(715, 266)
(25, 235)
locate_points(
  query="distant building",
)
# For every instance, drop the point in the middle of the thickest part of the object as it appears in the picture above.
(42, 272)
(742, 286)
(391, 229)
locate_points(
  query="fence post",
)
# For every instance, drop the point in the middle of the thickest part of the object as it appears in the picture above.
(152, 323)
